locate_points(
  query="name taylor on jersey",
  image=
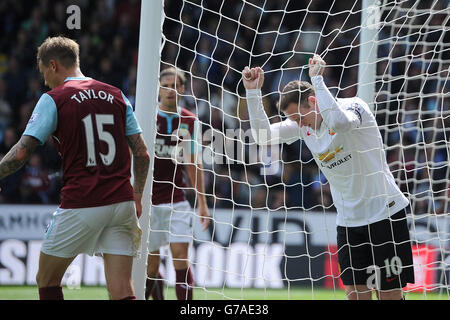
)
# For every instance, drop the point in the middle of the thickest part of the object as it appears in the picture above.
(88, 94)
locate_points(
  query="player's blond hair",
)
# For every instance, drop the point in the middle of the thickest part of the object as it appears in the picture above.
(62, 49)
(173, 72)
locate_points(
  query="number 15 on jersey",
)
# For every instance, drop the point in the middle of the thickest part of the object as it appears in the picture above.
(100, 121)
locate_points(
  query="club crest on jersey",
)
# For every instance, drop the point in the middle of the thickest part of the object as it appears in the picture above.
(357, 109)
(33, 118)
(183, 131)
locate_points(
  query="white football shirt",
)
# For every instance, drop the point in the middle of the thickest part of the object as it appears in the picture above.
(348, 149)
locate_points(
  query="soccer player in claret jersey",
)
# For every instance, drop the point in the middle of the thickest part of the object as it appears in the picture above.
(343, 136)
(177, 152)
(93, 126)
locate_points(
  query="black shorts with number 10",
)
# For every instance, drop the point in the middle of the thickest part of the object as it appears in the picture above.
(382, 247)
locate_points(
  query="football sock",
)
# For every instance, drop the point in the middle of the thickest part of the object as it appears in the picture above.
(158, 288)
(155, 288)
(184, 282)
(51, 293)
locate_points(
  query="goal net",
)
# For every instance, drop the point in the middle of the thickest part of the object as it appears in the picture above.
(273, 220)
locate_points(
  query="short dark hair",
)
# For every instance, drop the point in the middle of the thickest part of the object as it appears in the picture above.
(65, 50)
(173, 72)
(295, 92)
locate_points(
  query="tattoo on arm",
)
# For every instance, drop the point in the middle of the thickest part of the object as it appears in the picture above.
(141, 160)
(17, 156)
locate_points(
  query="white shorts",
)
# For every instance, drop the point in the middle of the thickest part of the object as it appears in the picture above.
(111, 229)
(170, 223)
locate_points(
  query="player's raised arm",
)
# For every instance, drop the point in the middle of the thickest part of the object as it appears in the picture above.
(141, 162)
(263, 132)
(334, 116)
(253, 80)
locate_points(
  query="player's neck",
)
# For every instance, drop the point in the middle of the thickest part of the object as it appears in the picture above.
(168, 108)
(319, 121)
(69, 73)
(74, 73)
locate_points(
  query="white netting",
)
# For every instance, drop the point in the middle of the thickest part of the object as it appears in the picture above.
(273, 216)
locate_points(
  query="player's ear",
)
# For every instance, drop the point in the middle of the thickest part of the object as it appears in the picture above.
(312, 101)
(181, 89)
(53, 65)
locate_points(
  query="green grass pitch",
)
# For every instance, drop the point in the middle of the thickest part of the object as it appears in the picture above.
(100, 293)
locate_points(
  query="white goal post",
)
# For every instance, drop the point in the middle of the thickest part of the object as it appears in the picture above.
(370, 19)
(273, 219)
(146, 101)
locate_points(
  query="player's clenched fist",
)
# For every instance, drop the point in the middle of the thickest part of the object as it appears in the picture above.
(316, 66)
(253, 78)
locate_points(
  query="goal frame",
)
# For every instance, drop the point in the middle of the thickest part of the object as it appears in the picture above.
(368, 51)
(150, 45)
(150, 37)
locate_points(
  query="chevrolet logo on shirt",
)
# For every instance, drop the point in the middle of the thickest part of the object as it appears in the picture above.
(326, 157)
(329, 155)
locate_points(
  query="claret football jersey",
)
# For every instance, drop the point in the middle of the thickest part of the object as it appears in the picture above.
(177, 138)
(89, 121)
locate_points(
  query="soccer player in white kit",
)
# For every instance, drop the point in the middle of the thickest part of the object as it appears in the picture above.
(344, 139)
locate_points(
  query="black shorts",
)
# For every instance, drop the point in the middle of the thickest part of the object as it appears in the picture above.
(378, 255)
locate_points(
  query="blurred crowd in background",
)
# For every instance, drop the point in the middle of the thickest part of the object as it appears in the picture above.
(212, 44)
